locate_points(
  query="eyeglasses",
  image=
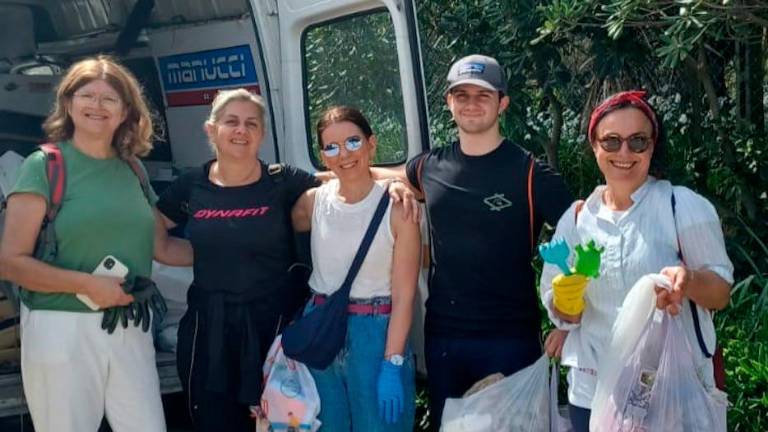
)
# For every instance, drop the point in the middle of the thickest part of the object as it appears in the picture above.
(105, 100)
(351, 144)
(636, 143)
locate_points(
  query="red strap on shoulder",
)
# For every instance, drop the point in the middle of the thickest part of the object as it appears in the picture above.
(530, 202)
(56, 173)
(577, 210)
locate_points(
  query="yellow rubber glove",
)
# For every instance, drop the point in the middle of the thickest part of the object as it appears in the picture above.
(569, 293)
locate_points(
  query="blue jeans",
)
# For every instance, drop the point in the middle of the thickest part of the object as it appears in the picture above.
(348, 387)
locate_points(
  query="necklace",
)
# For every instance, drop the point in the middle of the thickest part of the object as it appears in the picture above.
(216, 177)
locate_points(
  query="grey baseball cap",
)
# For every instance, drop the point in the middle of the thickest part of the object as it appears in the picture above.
(479, 70)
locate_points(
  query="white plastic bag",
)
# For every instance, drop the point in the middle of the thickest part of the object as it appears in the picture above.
(518, 403)
(647, 379)
(290, 400)
(557, 422)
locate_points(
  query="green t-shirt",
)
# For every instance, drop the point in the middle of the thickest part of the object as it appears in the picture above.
(104, 212)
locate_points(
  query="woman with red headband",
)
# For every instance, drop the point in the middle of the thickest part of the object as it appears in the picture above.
(643, 223)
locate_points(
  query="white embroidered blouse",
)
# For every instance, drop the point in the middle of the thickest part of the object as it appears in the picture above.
(639, 241)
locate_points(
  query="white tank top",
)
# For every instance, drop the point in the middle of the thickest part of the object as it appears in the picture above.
(337, 230)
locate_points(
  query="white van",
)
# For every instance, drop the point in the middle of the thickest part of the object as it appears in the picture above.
(301, 55)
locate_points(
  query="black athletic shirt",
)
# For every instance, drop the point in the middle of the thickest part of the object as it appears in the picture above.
(481, 280)
(242, 236)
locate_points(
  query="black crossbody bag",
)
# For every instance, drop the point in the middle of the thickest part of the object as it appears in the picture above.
(316, 338)
(718, 362)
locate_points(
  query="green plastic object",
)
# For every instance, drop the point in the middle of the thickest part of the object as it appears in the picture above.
(587, 260)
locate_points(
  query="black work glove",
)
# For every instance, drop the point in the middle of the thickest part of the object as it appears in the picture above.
(110, 318)
(146, 297)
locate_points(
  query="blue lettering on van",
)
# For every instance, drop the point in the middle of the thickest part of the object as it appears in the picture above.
(214, 68)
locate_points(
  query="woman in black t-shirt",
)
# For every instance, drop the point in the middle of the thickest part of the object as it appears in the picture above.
(237, 215)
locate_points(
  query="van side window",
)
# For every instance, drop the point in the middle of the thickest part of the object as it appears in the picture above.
(353, 61)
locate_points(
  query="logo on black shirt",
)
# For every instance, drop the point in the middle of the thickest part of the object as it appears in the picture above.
(233, 213)
(497, 202)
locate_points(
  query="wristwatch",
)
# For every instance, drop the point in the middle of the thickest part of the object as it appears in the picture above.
(396, 359)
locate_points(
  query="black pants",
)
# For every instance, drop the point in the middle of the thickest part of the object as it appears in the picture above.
(455, 364)
(210, 411)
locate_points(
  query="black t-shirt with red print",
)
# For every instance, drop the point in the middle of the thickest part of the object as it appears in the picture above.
(242, 236)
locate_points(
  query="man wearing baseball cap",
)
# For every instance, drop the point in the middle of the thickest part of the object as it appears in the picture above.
(487, 199)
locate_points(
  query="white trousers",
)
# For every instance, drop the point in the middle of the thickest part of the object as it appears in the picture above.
(75, 373)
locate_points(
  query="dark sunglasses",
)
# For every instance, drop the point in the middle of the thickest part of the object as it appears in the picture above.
(351, 144)
(636, 143)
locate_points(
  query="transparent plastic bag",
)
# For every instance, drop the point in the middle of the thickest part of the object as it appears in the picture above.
(521, 402)
(647, 381)
(290, 400)
(557, 422)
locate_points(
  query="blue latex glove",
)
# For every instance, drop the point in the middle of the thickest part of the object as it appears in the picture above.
(390, 392)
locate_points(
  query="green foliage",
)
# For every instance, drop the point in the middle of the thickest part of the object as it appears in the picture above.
(689, 55)
(743, 334)
(422, 406)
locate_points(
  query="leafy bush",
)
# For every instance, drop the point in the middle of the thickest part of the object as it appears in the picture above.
(563, 56)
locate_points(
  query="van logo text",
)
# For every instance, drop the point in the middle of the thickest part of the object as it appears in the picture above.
(225, 67)
(219, 68)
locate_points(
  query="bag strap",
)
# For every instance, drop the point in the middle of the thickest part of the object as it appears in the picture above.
(419, 169)
(694, 310)
(135, 165)
(276, 171)
(531, 203)
(56, 174)
(362, 251)
(579, 207)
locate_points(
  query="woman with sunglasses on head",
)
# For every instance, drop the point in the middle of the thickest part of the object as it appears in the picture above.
(369, 387)
(642, 222)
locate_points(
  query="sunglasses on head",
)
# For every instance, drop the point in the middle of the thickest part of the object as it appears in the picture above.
(351, 144)
(636, 143)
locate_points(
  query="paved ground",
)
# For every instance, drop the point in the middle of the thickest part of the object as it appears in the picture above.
(175, 416)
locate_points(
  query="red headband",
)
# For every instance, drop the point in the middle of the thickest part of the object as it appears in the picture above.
(634, 98)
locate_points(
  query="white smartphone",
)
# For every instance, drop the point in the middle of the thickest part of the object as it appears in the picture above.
(109, 266)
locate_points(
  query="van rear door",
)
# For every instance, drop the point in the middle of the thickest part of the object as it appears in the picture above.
(363, 53)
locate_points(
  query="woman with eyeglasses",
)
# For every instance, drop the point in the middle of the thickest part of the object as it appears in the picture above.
(643, 222)
(75, 373)
(369, 387)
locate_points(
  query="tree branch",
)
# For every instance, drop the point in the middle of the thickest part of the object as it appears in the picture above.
(556, 111)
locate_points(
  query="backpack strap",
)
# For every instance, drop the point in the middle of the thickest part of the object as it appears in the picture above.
(276, 171)
(55, 171)
(694, 310)
(135, 165)
(531, 203)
